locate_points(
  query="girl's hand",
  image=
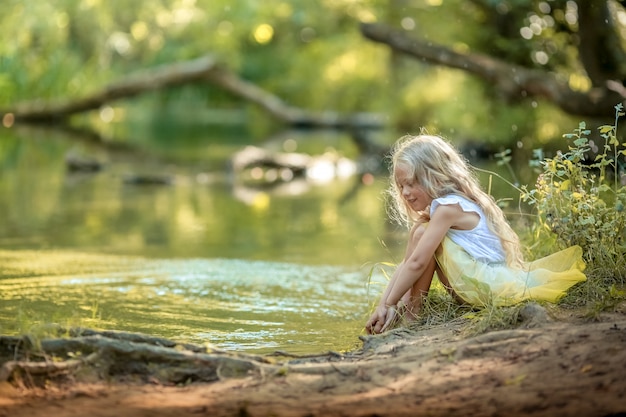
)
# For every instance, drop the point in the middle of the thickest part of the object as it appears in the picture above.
(391, 319)
(376, 322)
(382, 319)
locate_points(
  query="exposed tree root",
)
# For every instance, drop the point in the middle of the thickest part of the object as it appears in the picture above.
(119, 355)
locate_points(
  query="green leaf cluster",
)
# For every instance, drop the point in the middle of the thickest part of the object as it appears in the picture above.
(580, 199)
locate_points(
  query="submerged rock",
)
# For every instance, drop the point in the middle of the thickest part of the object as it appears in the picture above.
(136, 179)
(82, 163)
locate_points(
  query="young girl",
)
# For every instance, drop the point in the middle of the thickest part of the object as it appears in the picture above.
(460, 233)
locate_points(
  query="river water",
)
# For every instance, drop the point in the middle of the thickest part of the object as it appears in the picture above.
(204, 259)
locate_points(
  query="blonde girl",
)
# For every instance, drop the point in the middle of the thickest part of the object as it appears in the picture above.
(458, 231)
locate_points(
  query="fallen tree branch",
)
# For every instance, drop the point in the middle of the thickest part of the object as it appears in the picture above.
(291, 115)
(135, 84)
(513, 81)
(204, 69)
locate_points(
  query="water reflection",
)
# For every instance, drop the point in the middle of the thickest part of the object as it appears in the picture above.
(202, 214)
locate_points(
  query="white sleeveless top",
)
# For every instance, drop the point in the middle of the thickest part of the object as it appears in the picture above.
(480, 242)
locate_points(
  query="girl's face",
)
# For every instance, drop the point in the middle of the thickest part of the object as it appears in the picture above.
(414, 194)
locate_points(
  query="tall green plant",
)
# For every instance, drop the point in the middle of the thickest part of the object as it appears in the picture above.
(581, 201)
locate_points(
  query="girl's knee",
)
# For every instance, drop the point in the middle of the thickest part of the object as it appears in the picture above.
(418, 232)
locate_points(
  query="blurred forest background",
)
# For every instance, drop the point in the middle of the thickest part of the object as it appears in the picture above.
(511, 73)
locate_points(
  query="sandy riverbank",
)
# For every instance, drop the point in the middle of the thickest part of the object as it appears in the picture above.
(568, 367)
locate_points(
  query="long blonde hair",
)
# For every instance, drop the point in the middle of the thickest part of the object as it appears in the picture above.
(441, 170)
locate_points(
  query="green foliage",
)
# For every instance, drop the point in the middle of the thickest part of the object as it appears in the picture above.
(581, 201)
(493, 317)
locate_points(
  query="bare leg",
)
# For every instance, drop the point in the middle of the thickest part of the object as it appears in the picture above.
(446, 283)
(414, 297)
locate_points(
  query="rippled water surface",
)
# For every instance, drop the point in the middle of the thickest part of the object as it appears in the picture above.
(256, 306)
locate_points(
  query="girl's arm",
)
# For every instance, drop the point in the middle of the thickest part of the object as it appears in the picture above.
(380, 316)
(410, 247)
(390, 284)
(416, 261)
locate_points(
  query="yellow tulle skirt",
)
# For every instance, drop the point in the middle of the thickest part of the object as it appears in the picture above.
(481, 284)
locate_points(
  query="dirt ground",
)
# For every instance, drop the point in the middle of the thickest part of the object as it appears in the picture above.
(546, 368)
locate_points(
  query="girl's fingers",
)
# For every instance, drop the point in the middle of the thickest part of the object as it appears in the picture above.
(377, 328)
(370, 326)
(390, 319)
